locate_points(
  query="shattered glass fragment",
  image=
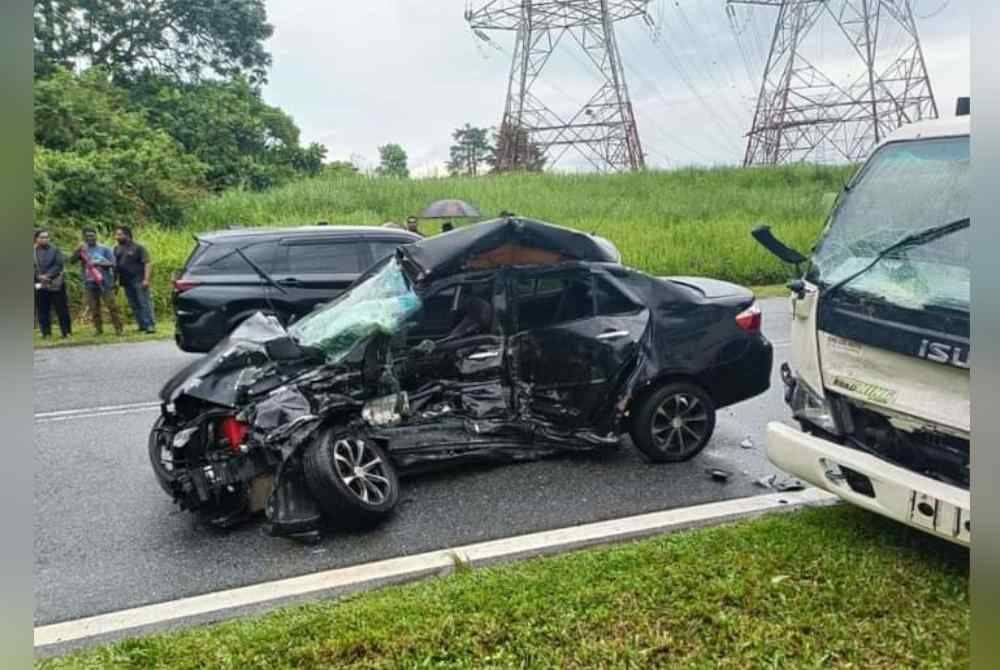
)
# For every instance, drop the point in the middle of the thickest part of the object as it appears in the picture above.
(379, 305)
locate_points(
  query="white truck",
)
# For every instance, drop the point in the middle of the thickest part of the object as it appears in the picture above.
(879, 374)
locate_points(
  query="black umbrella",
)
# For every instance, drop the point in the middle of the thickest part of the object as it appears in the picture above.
(450, 209)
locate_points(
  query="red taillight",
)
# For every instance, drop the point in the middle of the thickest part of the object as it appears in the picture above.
(234, 431)
(750, 318)
(181, 285)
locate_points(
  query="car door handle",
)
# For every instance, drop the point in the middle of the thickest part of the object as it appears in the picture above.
(613, 335)
(290, 281)
(483, 355)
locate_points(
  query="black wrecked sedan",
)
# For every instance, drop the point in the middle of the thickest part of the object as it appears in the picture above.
(504, 341)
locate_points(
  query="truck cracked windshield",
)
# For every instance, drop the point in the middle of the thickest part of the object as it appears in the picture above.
(509, 340)
(879, 376)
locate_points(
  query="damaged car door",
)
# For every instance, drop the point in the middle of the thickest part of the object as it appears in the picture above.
(454, 353)
(577, 335)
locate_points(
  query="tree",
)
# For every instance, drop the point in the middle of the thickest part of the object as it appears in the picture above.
(96, 160)
(392, 161)
(340, 169)
(182, 38)
(513, 151)
(470, 151)
(245, 142)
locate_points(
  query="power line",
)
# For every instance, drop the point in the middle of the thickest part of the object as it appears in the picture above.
(603, 131)
(730, 127)
(802, 112)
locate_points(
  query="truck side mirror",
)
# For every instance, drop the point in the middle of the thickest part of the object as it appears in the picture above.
(766, 239)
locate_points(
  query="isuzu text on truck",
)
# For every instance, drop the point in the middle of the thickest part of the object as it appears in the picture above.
(879, 374)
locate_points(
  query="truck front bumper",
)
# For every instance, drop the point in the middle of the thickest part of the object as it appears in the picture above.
(866, 481)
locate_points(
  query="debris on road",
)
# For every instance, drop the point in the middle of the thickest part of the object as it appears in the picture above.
(718, 474)
(785, 485)
(747, 443)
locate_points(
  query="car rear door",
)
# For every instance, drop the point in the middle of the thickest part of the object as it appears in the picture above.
(314, 270)
(576, 338)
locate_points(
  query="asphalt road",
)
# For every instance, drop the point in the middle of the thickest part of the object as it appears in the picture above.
(107, 538)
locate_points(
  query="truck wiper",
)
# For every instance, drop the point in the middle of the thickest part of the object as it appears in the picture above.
(914, 239)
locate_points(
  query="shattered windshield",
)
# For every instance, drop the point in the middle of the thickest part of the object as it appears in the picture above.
(380, 304)
(904, 188)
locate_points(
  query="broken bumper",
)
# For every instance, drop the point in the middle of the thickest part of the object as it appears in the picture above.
(869, 482)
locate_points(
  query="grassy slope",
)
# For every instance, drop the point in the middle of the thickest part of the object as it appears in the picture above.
(833, 587)
(694, 222)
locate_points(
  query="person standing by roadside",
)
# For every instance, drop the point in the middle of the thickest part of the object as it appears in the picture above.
(134, 268)
(412, 226)
(50, 286)
(98, 280)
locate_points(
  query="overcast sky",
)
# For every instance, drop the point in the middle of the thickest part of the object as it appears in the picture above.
(355, 75)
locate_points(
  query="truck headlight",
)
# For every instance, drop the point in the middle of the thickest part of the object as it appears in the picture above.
(809, 406)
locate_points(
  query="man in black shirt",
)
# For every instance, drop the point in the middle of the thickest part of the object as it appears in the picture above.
(50, 286)
(133, 267)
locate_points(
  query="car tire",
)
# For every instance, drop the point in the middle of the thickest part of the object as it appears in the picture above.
(346, 498)
(674, 422)
(162, 474)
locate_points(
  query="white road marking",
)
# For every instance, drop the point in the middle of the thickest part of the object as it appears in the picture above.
(112, 410)
(430, 563)
(86, 412)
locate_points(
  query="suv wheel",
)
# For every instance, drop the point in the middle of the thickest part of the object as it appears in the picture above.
(351, 479)
(674, 423)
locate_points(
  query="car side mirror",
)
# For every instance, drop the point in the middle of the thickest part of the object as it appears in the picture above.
(766, 239)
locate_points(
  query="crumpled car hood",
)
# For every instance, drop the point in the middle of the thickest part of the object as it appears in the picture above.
(234, 363)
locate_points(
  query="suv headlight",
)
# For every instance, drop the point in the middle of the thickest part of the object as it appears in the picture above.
(808, 405)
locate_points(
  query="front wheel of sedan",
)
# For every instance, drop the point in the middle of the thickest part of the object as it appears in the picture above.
(351, 479)
(674, 423)
(161, 456)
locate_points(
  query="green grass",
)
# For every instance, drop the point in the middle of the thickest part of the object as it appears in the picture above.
(83, 334)
(832, 588)
(691, 221)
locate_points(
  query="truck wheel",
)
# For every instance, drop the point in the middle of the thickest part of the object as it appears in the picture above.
(674, 423)
(161, 455)
(351, 479)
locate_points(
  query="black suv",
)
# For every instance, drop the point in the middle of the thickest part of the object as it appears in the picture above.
(227, 277)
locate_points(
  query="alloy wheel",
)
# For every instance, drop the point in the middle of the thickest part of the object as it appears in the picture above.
(361, 470)
(679, 423)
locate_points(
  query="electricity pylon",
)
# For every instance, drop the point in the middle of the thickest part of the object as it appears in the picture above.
(603, 131)
(802, 113)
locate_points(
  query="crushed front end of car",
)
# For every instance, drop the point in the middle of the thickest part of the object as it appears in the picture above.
(234, 426)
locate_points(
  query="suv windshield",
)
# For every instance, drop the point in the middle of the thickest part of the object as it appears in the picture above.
(904, 188)
(379, 304)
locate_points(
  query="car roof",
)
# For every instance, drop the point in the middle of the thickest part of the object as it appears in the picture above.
(504, 241)
(263, 233)
(948, 127)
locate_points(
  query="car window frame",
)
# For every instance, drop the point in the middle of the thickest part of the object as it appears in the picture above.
(609, 279)
(514, 298)
(457, 281)
(229, 251)
(364, 257)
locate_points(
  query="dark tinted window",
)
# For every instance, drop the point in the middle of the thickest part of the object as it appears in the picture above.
(318, 258)
(610, 300)
(219, 259)
(382, 248)
(552, 300)
(435, 317)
